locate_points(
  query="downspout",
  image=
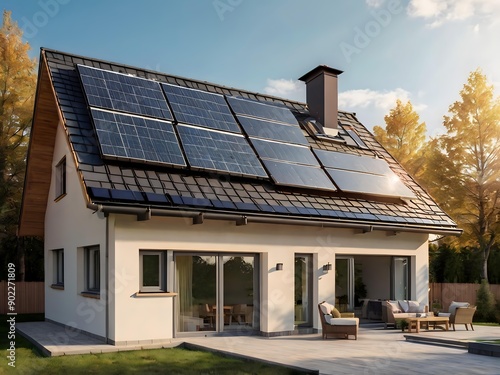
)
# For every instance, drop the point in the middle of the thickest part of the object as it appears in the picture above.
(107, 280)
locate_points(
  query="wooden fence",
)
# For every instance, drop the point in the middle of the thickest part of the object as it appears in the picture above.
(446, 292)
(29, 297)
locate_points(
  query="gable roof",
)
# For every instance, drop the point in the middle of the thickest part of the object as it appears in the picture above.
(127, 186)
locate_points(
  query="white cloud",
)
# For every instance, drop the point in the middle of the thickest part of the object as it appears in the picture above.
(437, 12)
(384, 100)
(286, 88)
(375, 3)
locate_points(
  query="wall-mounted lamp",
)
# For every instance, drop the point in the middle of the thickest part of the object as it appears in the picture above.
(327, 267)
(279, 266)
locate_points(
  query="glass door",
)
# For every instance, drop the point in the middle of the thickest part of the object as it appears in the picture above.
(240, 299)
(303, 290)
(196, 281)
(216, 292)
(344, 283)
(400, 278)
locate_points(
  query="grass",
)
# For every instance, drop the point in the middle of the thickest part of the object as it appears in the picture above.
(158, 361)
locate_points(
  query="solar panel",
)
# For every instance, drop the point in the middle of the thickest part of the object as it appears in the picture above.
(284, 152)
(138, 138)
(120, 92)
(224, 152)
(297, 175)
(272, 130)
(371, 184)
(352, 162)
(200, 108)
(261, 110)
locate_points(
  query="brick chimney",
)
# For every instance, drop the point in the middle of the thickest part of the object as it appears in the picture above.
(322, 94)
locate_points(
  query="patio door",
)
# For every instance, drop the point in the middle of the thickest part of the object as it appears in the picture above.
(216, 292)
(400, 278)
(344, 283)
(303, 290)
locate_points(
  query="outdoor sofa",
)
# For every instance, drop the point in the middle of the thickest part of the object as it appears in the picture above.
(401, 309)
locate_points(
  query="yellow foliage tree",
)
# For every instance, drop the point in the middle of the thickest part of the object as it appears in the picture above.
(17, 91)
(404, 137)
(467, 165)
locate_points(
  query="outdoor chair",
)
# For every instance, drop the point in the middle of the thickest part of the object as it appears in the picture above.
(239, 313)
(344, 326)
(460, 313)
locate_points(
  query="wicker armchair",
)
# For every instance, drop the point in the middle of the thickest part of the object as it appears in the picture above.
(463, 315)
(460, 314)
(344, 326)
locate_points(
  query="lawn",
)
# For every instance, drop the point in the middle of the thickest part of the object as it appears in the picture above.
(159, 361)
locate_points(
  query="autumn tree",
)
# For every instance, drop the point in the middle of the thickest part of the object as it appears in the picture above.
(17, 91)
(404, 137)
(467, 165)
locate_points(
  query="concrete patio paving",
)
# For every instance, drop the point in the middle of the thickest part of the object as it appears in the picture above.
(377, 351)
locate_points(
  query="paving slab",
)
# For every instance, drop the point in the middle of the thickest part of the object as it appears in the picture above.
(376, 351)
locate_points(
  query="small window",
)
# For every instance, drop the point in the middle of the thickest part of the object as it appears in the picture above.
(58, 256)
(92, 270)
(152, 271)
(61, 178)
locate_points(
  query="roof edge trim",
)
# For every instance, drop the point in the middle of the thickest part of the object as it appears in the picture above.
(263, 219)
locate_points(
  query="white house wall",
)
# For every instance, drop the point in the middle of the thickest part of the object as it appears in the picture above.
(139, 318)
(69, 225)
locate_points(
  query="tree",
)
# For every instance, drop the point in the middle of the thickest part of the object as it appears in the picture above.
(404, 137)
(17, 91)
(469, 160)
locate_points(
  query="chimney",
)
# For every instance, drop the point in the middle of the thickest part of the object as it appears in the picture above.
(322, 94)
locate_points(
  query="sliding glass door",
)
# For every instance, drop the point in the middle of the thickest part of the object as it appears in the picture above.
(216, 292)
(400, 278)
(303, 290)
(344, 283)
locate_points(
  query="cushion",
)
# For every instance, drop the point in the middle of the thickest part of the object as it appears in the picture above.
(404, 306)
(344, 321)
(415, 307)
(454, 305)
(394, 306)
(444, 314)
(326, 308)
(335, 313)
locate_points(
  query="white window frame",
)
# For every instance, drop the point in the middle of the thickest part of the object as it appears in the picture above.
(60, 175)
(161, 288)
(93, 270)
(58, 268)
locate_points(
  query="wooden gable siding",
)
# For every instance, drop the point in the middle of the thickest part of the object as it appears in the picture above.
(39, 162)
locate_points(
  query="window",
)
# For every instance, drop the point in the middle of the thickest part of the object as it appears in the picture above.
(92, 270)
(58, 256)
(61, 178)
(152, 271)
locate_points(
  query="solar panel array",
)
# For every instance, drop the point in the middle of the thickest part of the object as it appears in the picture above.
(123, 93)
(201, 108)
(133, 121)
(137, 138)
(362, 174)
(218, 151)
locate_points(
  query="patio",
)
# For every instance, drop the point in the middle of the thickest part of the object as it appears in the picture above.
(377, 351)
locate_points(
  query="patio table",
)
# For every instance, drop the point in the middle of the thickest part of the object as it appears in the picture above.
(418, 321)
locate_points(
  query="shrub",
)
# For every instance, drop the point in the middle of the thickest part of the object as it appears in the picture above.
(485, 302)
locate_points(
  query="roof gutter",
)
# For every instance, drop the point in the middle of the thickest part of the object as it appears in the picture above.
(146, 212)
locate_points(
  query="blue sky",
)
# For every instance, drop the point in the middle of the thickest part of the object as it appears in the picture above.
(418, 50)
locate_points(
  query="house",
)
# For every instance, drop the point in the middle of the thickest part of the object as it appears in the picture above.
(173, 207)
